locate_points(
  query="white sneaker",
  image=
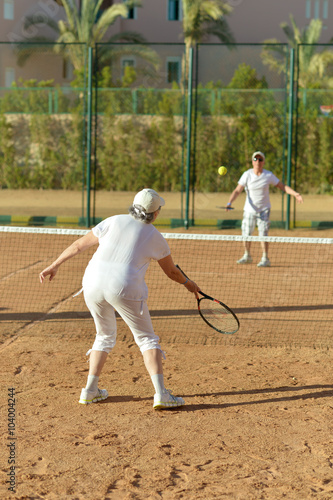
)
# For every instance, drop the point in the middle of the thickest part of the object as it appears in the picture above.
(264, 263)
(87, 397)
(246, 259)
(167, 400)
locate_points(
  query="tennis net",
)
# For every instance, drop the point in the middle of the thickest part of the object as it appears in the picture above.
(287, 304)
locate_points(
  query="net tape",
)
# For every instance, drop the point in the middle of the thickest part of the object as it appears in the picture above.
(173, 236)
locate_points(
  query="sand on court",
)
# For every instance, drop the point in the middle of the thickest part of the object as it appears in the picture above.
(257, 424)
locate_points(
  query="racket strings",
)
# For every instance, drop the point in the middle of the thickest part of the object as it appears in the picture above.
(218, 316)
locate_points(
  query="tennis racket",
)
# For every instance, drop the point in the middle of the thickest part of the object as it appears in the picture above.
(229, 208)
(216, 314)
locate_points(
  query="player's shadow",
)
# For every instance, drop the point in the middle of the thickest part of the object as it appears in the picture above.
(326, 391)
(288, 308)
(158, 313)
(323, 391)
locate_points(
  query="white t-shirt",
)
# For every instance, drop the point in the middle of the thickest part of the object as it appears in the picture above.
(257, 190)
(126, 247)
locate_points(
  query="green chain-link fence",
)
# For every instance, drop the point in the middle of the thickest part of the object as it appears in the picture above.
(43, 119)
(141, 124)
(313, 152)
(240, 107)
(140, 118)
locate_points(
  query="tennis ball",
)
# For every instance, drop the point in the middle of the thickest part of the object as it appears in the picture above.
(222, 170)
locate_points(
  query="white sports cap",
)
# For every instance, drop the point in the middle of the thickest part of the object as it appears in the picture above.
(149, 200)
(258, 153)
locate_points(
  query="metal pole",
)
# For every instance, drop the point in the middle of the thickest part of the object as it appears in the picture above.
(290, 131)
(89, 127)
(189, 133)
(285, 132)
(84, 129)
(296, 127)
(195, 129)
(183, 139)
(95, 133)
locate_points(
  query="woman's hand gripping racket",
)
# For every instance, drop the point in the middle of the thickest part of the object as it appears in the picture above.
(216, 314)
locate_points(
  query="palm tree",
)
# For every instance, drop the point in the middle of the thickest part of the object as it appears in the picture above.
(312, 64)
(205, 17)
(85, 24)
(202, 18)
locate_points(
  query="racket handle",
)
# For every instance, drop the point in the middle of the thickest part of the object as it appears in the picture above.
(201, 293)
(182, 271)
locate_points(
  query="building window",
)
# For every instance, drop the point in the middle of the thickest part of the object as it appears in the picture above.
(8, 9)
(131, 12)
(174, 10)
(125, 63)
(173, 69)
(308, 9)
(320, 9)
(316, 9)
(9, 76)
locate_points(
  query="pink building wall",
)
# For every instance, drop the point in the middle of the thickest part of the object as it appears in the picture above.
(251, 21)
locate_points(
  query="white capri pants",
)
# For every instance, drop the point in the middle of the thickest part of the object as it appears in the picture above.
(261, 220)
(102, 305)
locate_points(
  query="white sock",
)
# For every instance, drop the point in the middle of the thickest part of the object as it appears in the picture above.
(264, 256)
(158, 383)
(92, 383)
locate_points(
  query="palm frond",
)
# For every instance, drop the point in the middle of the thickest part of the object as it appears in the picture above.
(297, 32)
(108, 18)
(90, 10)
(38, 44)
(312, 64)
(196, 12)
(67, 37)
(221, 30)
(31, 21)
(319, 63)
(72, 15)
(127, 36)
(108, 53)
(289, 33)
(313, 31)
(133, 3)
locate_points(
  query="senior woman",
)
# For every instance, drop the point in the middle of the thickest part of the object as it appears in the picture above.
(114, 280)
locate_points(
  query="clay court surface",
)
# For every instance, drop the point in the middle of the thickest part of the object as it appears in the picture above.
(257, 423)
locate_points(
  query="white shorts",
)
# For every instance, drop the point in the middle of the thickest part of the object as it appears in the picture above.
(261, 220)
(102, 305)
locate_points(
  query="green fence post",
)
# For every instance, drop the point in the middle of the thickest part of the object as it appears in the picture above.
(135, 101)
(290, 131)
(183, 141)
(212, 101)
(285, 124)
(89, 127)
(189, 133)
(50, 102)
(56, 101)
